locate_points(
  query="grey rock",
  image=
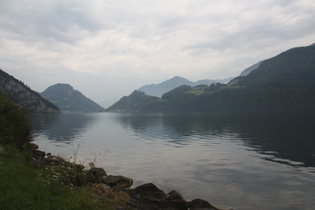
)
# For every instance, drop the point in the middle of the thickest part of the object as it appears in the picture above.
(175, 196)
(118, 182)
(38, 154)
(97, 174)
(199, 204)
(150, 191)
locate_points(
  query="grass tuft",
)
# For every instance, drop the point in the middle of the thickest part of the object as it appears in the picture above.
(24, 186)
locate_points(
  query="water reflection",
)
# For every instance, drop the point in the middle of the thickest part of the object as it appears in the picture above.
(61, 127)
(148, 126)
(284, 137)
(184, 125)
(288, 136)
(219, 157)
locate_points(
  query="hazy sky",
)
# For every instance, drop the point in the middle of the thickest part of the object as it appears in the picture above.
(108, 48)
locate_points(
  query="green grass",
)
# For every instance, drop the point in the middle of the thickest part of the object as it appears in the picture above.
(232, 87)
(23, 186)
(199, 90)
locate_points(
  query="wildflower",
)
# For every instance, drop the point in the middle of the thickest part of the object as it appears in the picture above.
(1, 150)
(91, 164)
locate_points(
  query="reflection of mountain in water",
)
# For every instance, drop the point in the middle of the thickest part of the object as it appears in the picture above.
(281, 136)
(139, 122)
(288, 136)
(149, 125)
(61, 127)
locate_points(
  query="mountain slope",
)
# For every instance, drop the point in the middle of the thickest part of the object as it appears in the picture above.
(132, 102)
(250, 69)
(286, 81)
(294, 67)
(23, 96)
(168, 85)
(69, 99)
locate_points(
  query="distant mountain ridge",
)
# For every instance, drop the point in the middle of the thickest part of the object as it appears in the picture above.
(129, 103)
(285, 81)
(168, 85)
(70, 100)
(250, 69)
(23, 96)
(292, 68)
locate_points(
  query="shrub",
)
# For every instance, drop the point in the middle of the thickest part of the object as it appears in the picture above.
(14, 123)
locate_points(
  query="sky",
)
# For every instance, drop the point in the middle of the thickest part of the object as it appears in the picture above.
(108, 48)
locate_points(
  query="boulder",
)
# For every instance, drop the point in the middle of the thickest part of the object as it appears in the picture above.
(31, 146)
(97, 174)
(199, 204)
(175, 196)
(148, 196)
(150, 191)
(38, 154)
(117, 182)
(100, 188)
(142, 204)
(147, 204)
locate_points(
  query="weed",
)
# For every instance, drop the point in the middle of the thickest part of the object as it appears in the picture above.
(25, 185)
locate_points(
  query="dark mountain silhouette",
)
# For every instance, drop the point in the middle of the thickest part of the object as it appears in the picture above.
(132, 102)
(292, 68)
(23, 96)
(251, 68)
(69, 99)
(285, 81)
(168, 85)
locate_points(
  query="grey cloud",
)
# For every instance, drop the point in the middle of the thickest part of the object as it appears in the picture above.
(293, 25)
(35, 21)
(149, 40)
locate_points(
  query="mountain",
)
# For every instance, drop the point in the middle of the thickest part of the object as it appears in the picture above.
(23, 96)
(69, 99)
(290, 69)
(285, 81)
(132, 102)
(168, 85)
(251, 68)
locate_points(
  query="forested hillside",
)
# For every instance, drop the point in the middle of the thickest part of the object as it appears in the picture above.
(168, 85)
(282, 82)
(132, 102)
(69, 99)
(23, 96)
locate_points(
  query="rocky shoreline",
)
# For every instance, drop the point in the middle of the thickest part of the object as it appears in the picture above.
(146, 196)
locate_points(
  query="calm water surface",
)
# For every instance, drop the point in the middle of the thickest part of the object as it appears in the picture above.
(240, 160)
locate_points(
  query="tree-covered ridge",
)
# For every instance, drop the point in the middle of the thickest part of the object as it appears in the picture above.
(295, 67)
(284, 81)
(25, 97)
(170, 84)
(133, 102)
(70, 100)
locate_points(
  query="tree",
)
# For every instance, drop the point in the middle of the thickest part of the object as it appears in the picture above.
(14, 123)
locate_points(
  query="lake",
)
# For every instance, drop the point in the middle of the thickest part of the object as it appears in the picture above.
(253, 160)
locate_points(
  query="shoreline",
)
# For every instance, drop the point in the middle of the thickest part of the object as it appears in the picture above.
(145, 196)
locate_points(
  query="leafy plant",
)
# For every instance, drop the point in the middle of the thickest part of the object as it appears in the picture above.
(14, 126)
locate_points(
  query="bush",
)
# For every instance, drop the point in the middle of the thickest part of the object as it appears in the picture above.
(14, 123)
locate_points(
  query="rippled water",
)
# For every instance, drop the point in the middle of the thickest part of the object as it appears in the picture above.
(240, 160)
